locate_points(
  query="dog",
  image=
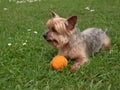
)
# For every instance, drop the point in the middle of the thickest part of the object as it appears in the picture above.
(64, 35)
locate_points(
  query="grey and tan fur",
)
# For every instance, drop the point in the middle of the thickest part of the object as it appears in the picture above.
(64, 35)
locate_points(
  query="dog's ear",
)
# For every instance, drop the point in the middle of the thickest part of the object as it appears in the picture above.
(54, 15)
(71, 22)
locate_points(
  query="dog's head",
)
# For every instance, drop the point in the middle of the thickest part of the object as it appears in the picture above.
(59, 30)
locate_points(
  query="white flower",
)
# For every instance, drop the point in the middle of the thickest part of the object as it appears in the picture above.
(5, 9)
(24, 44)
(87, 8)
(35, 32)
(20, 2)
(29, 30)
(92, 10)
(9, 44)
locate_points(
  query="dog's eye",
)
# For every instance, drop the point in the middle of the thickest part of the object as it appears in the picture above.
(54, 30)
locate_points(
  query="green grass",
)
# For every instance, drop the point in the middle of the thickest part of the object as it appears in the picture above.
(26, 67)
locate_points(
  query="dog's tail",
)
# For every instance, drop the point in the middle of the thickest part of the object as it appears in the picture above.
(106, 31)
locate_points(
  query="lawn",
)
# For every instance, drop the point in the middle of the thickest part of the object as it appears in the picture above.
(25, 56)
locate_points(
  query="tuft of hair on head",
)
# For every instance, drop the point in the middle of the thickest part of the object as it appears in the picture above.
(54, 15)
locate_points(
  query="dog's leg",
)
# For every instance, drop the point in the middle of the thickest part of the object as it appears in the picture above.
(82, 59)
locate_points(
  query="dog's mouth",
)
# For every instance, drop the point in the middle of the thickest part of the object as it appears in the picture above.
(49, 40)
(53, 42)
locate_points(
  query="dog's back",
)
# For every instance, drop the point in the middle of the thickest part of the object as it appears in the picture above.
(94, 38)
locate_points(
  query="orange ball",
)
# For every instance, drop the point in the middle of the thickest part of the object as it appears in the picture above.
(59, 62)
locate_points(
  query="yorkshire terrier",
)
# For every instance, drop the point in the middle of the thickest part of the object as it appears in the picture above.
(63, 34)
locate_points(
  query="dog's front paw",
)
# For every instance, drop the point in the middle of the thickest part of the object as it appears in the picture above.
(75, 67)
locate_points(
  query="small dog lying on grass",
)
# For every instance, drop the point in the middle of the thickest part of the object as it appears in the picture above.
(63, 34)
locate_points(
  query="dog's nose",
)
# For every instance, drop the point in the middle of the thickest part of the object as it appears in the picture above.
(44, 35)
